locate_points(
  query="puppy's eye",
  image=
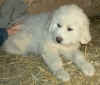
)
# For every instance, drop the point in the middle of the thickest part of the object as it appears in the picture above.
(69, 29)
(59, 25)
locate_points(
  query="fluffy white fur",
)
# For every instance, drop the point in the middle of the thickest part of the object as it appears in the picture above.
(51, 35)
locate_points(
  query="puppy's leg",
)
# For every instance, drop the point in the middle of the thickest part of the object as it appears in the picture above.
(54, 62)
(77, 57)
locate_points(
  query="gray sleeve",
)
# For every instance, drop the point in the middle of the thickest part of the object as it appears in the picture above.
(5, 13)
(10, 11)
(19, 11)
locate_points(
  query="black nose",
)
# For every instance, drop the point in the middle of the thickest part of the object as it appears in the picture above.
(59, 39)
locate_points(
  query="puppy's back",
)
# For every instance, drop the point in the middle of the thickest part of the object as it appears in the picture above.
(29, 37)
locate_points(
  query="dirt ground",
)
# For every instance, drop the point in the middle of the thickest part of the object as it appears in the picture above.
(91, 7)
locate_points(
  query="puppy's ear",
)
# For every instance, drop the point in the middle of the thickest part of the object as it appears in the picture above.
(52, 27)
(52, 22)
(85, 34)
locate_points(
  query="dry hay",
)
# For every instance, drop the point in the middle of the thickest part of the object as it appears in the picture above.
(20, 70)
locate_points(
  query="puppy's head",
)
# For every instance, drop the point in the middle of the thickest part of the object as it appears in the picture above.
(70, 25)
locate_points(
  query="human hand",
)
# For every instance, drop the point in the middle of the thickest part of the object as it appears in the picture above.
(13, 29)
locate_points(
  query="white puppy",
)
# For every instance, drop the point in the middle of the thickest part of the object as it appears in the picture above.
(51, 35)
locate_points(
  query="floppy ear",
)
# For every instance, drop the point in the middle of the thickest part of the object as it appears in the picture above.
(85, 34)
(52, 23)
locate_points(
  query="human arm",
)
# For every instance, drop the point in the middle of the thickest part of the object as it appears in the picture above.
(4, 33)
(10, 11)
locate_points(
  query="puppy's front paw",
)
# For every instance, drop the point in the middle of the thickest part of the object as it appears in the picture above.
(62, 75)
(88, 69)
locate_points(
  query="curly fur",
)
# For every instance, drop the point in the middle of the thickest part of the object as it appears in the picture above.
(51, 35)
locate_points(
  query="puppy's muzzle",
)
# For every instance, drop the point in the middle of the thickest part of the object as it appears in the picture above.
(59, 39)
